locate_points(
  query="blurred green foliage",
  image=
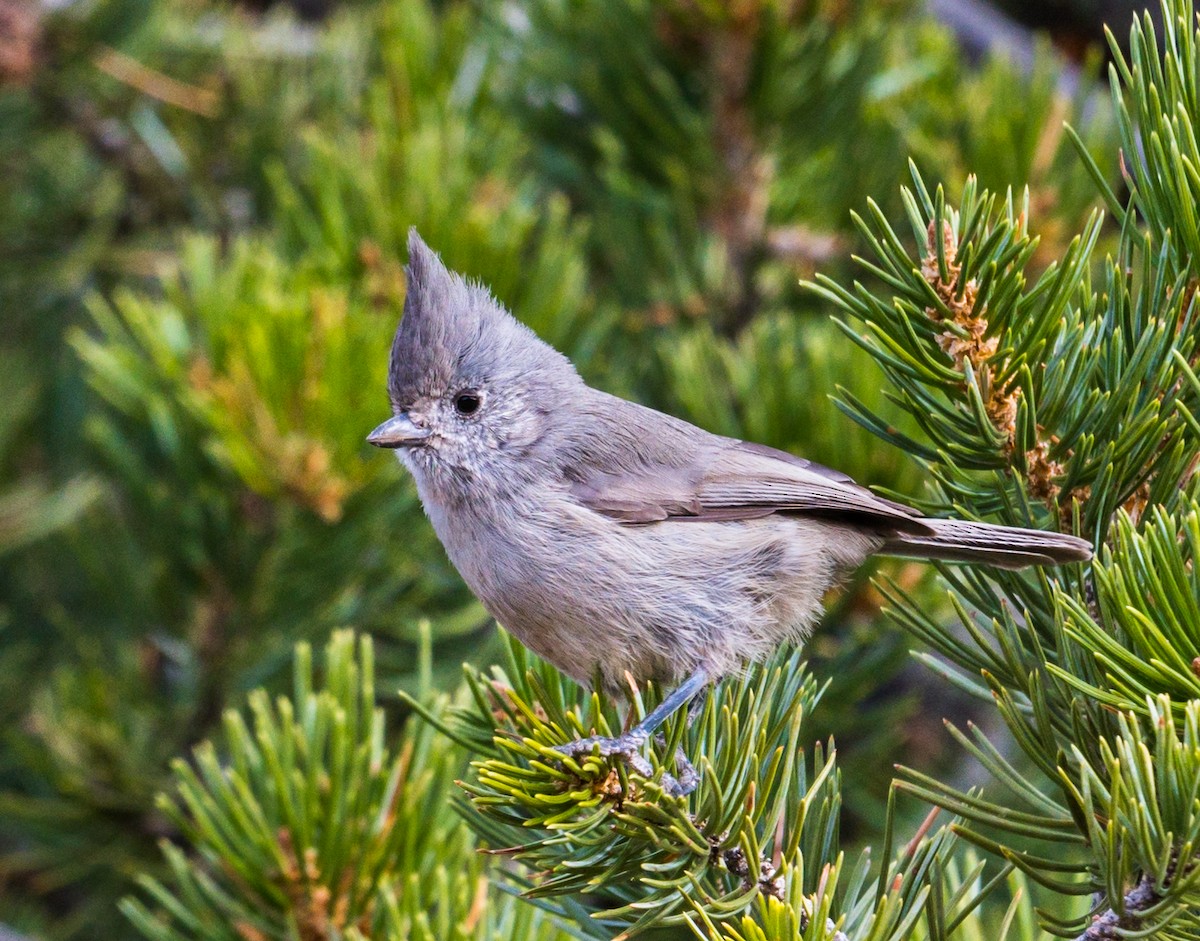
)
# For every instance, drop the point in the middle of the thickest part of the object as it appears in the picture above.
(331, 833)
(202, 213)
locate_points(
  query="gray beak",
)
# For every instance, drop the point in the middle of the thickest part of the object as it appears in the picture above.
(398, 432)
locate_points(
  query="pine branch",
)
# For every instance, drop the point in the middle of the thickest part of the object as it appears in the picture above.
(1058, 403)
(606, 846)
(307, 824)
(592, 825)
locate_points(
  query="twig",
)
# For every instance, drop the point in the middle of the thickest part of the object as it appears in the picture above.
(148, 81)
(1109, 926)
(739, 214)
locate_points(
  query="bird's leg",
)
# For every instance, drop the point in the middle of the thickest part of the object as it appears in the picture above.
(627, 746)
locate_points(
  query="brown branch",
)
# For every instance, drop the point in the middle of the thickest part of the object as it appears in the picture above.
(155, 84)
(740, 213)
(724, 38)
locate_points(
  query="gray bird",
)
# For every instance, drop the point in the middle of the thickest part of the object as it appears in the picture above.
(615, 540)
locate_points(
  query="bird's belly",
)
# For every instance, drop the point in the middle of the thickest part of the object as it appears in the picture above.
(657, 601)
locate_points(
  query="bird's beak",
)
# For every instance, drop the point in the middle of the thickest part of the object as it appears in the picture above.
(398, 432)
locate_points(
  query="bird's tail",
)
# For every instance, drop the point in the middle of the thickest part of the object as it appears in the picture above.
(982, 543)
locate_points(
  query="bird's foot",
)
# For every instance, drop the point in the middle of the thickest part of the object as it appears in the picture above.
(627, 748)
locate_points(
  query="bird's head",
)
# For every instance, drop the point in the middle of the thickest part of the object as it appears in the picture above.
(471, 388)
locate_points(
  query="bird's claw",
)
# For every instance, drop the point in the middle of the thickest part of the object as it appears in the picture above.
(627, 747)
(688, 778)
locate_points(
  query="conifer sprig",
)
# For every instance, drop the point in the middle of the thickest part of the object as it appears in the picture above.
(591, 826)
(752, 853)
(306, 823)
(1047, 400)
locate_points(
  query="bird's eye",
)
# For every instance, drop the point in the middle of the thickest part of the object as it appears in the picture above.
(467, 403)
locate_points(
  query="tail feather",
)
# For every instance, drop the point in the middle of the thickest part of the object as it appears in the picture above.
(983, 543)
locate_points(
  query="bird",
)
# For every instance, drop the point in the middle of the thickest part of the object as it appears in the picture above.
(616, 541)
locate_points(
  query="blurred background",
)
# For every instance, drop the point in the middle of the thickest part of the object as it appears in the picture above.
(203, 208)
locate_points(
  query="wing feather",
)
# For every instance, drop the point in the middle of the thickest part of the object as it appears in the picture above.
(736, 480)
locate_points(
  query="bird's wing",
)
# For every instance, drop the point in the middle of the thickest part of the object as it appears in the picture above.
(737, 481)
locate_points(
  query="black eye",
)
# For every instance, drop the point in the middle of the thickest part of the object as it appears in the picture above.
(467, 403)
